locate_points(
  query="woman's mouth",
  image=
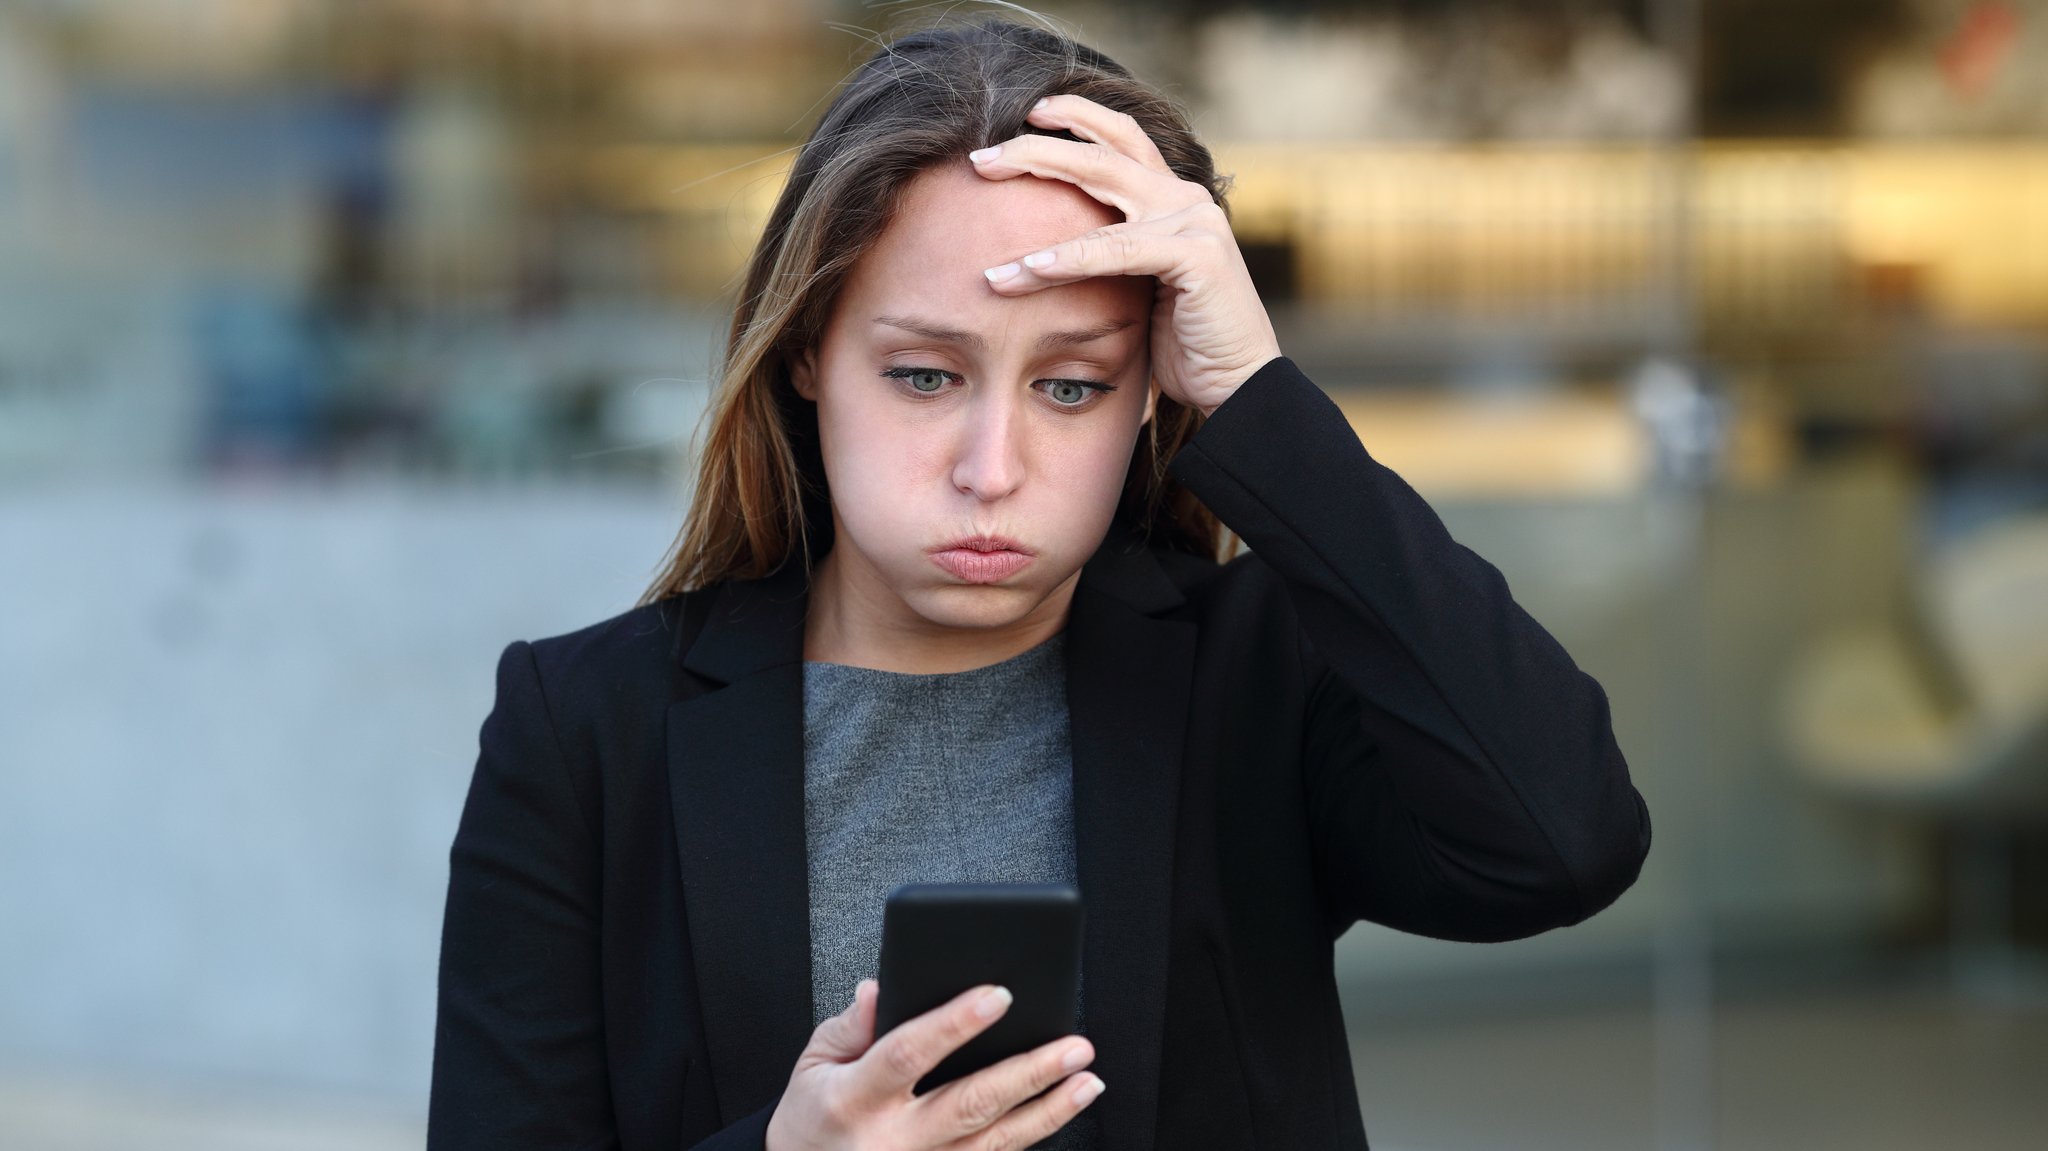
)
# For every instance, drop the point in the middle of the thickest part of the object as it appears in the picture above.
(982, 559)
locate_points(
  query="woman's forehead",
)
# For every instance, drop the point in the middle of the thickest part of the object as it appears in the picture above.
(951, 223)
(955, 214)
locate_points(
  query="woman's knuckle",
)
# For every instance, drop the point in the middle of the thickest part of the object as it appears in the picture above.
(901, 1061)
(838, 1106)
(980, 1104)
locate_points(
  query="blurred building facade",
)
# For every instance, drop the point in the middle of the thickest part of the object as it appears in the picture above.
(320, 320)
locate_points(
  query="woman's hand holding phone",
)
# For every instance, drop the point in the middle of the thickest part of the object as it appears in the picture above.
(850, 1090)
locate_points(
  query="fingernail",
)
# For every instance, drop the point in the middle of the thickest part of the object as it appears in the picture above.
(1042, 102)
(992, 1003)
(1086, 1092)
(1038, 259)
(982, 154)
(1075, 1057)
(1003, 272)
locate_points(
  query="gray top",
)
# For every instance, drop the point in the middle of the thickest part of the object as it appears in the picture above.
(963, 777)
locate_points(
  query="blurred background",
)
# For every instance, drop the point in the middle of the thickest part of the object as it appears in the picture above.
(344, 341)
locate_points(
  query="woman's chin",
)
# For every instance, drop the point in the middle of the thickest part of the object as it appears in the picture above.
(977, 606)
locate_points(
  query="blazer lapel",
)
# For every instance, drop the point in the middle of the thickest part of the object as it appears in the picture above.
(736, 779)
(1128, 682)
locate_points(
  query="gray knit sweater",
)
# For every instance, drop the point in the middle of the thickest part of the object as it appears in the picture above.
(964, 777)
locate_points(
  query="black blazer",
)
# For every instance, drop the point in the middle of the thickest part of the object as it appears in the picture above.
(1354, 720)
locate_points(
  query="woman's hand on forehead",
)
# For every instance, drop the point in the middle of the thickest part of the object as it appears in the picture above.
(1210, 330)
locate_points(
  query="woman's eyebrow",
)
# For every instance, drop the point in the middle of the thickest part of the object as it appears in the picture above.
(945, 335)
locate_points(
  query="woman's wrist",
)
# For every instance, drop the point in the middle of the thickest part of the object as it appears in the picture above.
(1210, 409)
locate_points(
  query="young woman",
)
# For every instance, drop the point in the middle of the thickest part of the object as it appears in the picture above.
(949, 606)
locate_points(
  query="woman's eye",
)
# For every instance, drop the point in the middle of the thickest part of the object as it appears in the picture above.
(925, 380)
(1063, 393)
(1071, 393)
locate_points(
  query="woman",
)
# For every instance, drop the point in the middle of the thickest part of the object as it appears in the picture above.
(948, 606)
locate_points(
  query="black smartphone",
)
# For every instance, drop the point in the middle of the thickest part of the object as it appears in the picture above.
(939, 939)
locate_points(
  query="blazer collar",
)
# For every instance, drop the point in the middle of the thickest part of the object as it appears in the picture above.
(752, 626)
(735, 760)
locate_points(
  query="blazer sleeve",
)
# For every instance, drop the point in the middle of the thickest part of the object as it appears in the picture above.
(1461, 772)
(519, 1055)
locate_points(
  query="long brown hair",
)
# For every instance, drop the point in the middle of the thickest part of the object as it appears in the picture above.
(922, 99)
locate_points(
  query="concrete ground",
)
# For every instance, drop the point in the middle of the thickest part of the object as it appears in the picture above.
(1901, 1064)
(1870, 1066)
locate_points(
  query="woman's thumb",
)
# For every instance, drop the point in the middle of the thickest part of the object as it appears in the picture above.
(848, 1034)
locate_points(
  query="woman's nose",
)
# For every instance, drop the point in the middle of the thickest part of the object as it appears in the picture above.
(990, 463)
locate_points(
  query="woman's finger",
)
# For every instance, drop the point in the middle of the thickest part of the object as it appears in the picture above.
(858, 1030)
(970, 1103)
(1028, 1124)
(842, 1038)
(1139, 192)
(892, 1067)
(1165, 248)
(1091, 121)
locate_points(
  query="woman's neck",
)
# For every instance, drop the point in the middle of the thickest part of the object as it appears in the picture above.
(854, 618)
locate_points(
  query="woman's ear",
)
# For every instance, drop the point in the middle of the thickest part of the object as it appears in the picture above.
(803, 373)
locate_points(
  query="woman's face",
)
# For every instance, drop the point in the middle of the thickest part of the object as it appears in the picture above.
(976, 444)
